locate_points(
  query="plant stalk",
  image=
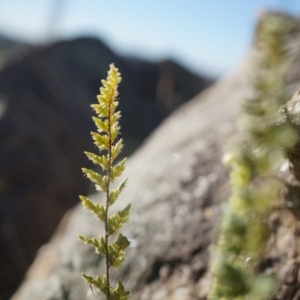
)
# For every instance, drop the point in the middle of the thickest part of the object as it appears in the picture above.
(107, 198)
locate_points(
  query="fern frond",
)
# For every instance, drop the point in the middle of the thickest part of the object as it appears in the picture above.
(106, 139)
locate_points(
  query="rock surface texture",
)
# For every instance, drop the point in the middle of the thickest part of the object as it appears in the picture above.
(45, 120)
(176, 186)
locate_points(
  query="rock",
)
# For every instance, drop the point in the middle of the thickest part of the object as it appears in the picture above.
(45, 120)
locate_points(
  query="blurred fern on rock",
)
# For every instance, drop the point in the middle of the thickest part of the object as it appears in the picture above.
(244, 232)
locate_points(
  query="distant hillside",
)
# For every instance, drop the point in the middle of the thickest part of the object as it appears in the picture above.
(8, 46)
(45, 120)
(6, 43)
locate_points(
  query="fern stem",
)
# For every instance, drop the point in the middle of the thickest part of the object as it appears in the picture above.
(106, 246)
(107, 195)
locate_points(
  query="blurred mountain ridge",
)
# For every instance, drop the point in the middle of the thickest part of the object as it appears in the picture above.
(7, 42)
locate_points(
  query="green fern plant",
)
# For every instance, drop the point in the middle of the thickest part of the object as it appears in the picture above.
(244, 232)
(106, 139)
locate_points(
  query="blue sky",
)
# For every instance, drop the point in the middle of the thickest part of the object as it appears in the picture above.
(208, 36)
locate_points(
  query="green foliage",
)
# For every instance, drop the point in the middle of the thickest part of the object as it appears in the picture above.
(116, 251)
(116, 221)
(244, 232)
(105, 139)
